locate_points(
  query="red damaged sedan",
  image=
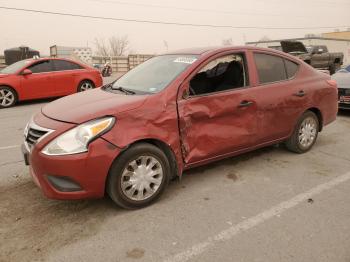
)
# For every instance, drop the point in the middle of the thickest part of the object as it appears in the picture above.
(45, 77)
(171, 113)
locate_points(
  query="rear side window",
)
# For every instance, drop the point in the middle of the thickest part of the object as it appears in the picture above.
(41, 67)
(270, 68)
(291, 68)
(62, 65)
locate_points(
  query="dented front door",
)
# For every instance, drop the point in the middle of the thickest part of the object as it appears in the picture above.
(217, 124)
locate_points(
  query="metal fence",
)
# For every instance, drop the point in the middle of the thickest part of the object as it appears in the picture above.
(2, 62)
(120, 64)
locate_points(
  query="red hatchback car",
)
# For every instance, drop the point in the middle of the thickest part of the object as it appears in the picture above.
(171, 113)
(45, 77)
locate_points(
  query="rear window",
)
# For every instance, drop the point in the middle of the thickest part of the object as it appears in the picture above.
(291, 68)
(270, 68)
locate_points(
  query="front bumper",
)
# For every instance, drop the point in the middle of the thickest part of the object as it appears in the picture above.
(76, 176)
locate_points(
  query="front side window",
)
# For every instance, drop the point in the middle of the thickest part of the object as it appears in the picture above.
(270, 68)
(41, 67)
(224, 73)
(155, 74)
(62, 65)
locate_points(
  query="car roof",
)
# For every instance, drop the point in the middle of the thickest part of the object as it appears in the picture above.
(51, 58)
(33, 60)
(217, 49)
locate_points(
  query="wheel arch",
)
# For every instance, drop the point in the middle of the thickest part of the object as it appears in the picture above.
(318, 113)
(86, 79)
(165, 148)
(161, 145)
(8, 86)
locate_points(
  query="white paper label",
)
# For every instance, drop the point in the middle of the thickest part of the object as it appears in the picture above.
(185, 60)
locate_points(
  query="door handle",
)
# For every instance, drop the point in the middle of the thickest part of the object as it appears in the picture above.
(301, 93)
(245, 103)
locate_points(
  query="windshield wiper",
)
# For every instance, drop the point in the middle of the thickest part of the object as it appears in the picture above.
(126, 91)
(110, 85)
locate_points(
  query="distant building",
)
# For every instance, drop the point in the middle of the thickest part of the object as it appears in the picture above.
(83, 54)
(333, 44)
(338, 35)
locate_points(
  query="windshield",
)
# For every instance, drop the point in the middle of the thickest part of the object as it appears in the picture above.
(11, 69)
(155, 74)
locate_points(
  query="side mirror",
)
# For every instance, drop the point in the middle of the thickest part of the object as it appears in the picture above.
(26, 72)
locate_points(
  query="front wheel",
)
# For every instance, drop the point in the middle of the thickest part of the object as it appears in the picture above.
(8, 97)
(138, 176)
(305, 133)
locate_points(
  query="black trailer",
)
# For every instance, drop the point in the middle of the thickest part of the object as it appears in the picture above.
(19, 53)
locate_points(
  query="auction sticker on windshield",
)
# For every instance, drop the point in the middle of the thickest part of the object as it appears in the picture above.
(186, 60)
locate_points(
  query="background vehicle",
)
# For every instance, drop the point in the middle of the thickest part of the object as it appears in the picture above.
(343, 80)
(171, 113)
(16, 54)
(45, 77)
(106, 70)
(346, 69)
(316, 56)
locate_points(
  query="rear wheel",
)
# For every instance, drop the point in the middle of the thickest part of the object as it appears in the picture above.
(85, 85)
(305, 133)
(8, 97)
(138, 176)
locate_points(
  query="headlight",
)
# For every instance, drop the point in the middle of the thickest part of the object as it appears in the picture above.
(77, 139)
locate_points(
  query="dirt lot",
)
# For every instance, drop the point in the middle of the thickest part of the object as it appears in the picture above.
(267, 205)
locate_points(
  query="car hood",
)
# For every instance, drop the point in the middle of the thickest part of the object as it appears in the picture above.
(84, 106)
(293, 46)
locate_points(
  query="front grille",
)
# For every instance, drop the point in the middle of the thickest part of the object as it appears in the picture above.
(33, 135)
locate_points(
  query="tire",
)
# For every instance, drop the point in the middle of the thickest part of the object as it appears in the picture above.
(141, 165)
(302, 142)
(85, 85)
(8, 97)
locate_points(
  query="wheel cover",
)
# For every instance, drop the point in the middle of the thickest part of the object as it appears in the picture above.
(307, 132)
(141, 178)
(7, 97)
(86, 86)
